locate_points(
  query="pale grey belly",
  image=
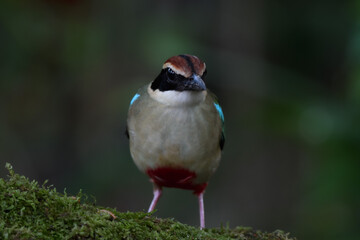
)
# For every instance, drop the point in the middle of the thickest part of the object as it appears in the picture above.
(175, 138)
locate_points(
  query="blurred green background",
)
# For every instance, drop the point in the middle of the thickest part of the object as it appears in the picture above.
(287, 74)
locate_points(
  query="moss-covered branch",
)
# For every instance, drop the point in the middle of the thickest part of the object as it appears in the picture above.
(31, 211)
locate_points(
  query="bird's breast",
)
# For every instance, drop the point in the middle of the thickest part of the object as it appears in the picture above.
(175, 141)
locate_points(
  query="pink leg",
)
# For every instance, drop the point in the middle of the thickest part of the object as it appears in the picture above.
(157, 195)
(201, 210)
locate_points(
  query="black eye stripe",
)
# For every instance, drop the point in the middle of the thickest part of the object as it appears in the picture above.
(204, 73)
(171, 74)
(169, 79)
(170, 71)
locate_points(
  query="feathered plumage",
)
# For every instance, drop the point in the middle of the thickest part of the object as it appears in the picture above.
(175, 127)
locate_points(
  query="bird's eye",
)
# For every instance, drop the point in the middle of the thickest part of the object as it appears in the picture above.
(204, 74)
(170, 73)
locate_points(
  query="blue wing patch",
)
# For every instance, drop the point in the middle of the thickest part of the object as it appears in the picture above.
(221, 114)
(134, 98)
(218, 108)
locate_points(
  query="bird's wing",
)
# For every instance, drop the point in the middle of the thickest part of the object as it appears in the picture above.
(136, 96)
(221, 115)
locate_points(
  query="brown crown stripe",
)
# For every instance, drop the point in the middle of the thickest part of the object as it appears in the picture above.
(185, 65)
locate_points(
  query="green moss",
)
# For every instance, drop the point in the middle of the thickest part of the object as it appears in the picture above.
(31, 211)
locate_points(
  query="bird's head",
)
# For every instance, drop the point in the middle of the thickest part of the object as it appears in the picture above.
(181, 73)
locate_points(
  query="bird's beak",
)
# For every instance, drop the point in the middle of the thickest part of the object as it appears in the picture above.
(196, 83)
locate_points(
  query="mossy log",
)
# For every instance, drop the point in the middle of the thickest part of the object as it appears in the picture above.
(33, 211)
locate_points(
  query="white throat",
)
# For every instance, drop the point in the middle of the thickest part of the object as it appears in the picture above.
(177, 98)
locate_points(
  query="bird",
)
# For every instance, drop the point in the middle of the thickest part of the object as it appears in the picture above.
(175, 127)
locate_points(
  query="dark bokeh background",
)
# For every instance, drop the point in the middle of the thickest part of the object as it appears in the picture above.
(287, 74)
